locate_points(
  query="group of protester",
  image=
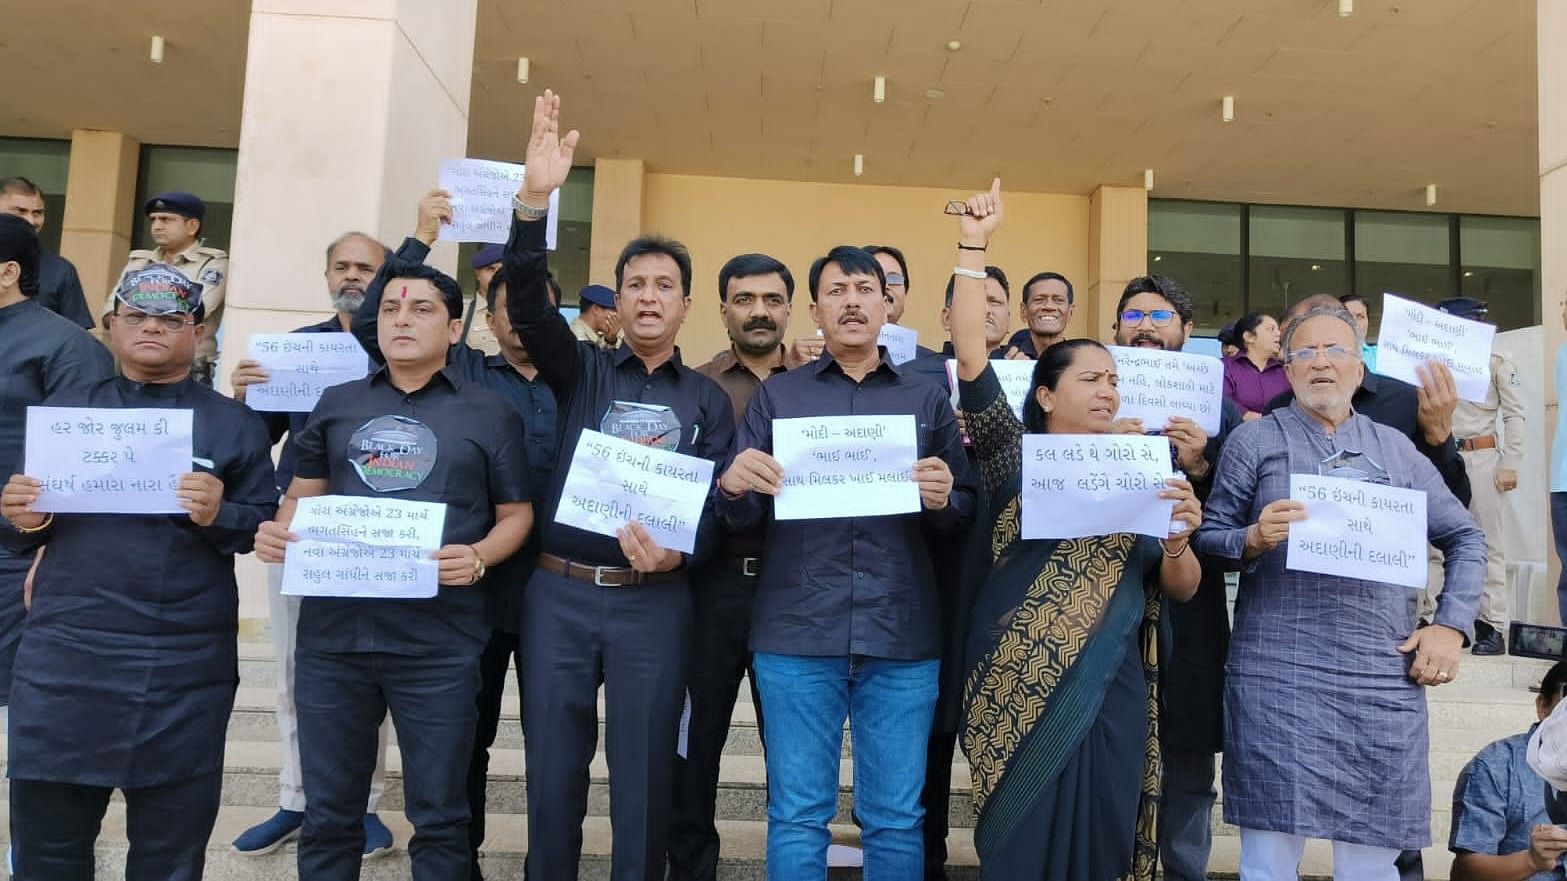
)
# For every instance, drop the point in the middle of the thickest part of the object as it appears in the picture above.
(1090, 682)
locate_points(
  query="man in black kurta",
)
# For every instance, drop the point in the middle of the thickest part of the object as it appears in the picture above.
(127, 668)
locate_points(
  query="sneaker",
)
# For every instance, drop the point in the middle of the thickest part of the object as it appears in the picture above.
(263, 838)
(1489, 644)
(378, 838)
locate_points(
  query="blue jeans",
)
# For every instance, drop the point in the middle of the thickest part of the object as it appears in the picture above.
(890, 705)
(1186, 814)
(1559, 531)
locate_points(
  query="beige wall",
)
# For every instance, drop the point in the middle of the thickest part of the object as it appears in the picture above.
(95, 232)
(1552, 28)
(718, 217)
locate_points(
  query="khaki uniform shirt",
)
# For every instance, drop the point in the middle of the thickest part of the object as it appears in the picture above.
(479, 334)
(199, 263)
(585, 332)
(1500, 414)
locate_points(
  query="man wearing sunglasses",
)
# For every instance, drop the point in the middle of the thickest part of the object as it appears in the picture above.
(1156, 313)
(896, 270)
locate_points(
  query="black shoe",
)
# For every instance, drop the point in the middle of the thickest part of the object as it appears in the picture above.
(1489, 644)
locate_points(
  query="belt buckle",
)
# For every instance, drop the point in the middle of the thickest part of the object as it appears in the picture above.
(750, 567)
(598, 576)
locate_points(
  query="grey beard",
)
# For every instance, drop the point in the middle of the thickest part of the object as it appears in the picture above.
(349, 302)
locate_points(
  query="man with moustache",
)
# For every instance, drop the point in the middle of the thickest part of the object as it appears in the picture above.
(849, 626)
(755, 293)
(599, 610)
(1046, 309)
(1156, 313)
(59, 288)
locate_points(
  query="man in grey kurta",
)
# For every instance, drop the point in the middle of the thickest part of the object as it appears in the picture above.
(1325, 711)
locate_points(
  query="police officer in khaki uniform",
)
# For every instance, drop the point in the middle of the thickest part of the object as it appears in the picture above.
(476, 330)
(1490, 439)
(174, 220)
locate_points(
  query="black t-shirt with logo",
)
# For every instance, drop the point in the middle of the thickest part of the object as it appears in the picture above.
(453, 442)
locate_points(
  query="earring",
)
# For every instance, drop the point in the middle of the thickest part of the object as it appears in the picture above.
(1047, 409)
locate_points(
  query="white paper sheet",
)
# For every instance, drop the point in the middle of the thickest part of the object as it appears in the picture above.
(845, 466)
(1413, 334)
(614, 481)
(301, 366)
(106, 460)
(355, 546)
(1359, 530)
(1156, 385)
(1080, 485)
(481, 201)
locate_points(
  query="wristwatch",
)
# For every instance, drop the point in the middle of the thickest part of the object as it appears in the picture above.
(528, 211)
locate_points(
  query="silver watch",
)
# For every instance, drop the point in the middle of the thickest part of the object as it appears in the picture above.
(528, 210)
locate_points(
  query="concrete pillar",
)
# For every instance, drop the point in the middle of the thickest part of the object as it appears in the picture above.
(349, 107)
(1551, 27)
(617, 214)
(96, 230)
(1117, 253)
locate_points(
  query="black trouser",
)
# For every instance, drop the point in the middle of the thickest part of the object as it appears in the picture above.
(936, 798)
(55, 825)
(342, 698)
(497, 657)
(635, 641)
(722, 595)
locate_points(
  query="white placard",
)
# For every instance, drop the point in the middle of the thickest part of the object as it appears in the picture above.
(613, 482)
(846, 466)
(300, 366)
(1016, 378)
(368, 547)
(1156, 385)
(108, 461)
(481, 201)
(1359, 530)
(1413, 334)
(902, 342)
(1080, 485)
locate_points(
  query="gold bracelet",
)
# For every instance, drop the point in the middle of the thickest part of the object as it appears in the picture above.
(48, 522)
(1184, 546)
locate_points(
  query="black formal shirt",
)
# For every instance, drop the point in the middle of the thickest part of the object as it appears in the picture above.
(60, 290)
(852, 585)
(41, 354)
(611, 392)
(475, 461)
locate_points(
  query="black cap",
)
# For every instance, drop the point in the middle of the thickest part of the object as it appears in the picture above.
(1465, 307)
(19, 242)
(183, 204)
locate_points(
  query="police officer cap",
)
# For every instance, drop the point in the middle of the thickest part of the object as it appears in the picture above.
(487, 255)
(598, 295)
(160, 289)
(183, 204)
(1464, 307)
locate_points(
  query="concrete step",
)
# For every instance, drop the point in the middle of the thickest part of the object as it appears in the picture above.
(742, 849)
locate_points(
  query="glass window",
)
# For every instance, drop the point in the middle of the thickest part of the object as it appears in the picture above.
(1292, 254)
(1199, 245)
(1501, 265)
(206, 171)
(45, 163)
(1402, 253)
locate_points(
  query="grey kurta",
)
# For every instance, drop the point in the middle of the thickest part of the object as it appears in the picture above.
(1325, 734)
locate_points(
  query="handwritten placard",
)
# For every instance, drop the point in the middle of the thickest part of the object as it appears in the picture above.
(481, 201)
(300, 366)
(845, 466)
(613, 482)
(1016, 378)
(1156, 385)
(108, 461)
(1080, 485)
(353, 546)
(1359, 530)
(1413, 334)
(902, 342)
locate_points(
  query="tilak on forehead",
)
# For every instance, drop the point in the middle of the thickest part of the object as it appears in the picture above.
(405, 292)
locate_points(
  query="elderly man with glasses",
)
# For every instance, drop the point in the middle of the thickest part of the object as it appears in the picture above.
(1325, 710)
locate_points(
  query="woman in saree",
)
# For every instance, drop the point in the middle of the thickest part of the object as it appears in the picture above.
(1060, 719)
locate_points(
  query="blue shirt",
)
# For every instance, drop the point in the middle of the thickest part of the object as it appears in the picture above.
(1497, 800)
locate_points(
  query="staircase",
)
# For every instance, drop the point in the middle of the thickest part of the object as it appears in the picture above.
(1490, 701)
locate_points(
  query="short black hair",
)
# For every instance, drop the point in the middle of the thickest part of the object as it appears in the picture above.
(1552, 683)
(853, 261)
(990, 272)
(1346, 299)
(897, 256)
(1071, 293)
(19, 243)
(750, 266)
(19, 184)
(1248, 323)
(1165, 287)
(396, 268)
(498, 280)
(655, 244)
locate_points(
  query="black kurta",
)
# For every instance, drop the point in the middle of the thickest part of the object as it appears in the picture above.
(127, 668)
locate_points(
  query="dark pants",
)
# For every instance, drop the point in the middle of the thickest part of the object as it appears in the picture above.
(720, 656)
(1186, 814)
(342, 698)
(54, 827)
(937, 799)
(635, 641)
(492, 683)
(1559, 530)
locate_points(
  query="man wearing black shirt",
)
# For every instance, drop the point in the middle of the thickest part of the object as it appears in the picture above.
(356, 659)
(847, 619)
(615, 611)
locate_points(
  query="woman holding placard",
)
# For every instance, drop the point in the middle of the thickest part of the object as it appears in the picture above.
(1061, 682)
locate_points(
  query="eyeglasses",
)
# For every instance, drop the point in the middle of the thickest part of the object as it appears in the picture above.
(957, 207)
(1159, 317)
(1336, 354)
(895, 278)
(170, 321)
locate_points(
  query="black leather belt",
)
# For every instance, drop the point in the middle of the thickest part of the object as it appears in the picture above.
(600, 576)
